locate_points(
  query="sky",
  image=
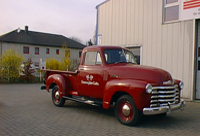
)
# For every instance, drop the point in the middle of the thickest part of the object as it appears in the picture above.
(70, 18)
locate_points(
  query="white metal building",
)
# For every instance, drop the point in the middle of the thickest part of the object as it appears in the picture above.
(166, 33)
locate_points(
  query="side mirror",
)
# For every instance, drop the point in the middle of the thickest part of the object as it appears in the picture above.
(76, 71)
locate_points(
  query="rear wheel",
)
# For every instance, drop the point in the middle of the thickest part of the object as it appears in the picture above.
(56, 97)
(126, 111)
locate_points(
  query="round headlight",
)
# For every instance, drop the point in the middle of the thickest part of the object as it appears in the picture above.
(181, 85)
(148, 88)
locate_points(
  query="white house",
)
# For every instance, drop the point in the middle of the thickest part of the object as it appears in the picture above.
(165, 34)
(37, 45)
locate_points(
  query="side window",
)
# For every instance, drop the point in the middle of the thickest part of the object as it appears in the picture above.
(93, 58)
(98, 59)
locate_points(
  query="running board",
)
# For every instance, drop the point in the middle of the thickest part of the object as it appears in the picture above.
(94, 103)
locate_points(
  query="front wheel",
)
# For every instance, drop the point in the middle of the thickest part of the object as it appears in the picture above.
(126, 111)
(56, 97)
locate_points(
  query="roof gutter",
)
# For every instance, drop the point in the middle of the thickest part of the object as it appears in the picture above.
(97, 24)
(101, 3)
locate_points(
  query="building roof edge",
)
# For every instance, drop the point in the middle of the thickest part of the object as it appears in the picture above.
(101, 3)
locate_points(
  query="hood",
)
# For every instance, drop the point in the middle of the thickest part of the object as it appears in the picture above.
(152, 75)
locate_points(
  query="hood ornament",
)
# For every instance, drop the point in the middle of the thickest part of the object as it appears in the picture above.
(169, 82)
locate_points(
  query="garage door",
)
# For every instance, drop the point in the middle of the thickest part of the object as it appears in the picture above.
(198, 62)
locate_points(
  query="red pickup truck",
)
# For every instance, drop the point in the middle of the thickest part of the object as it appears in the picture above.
(109, 75)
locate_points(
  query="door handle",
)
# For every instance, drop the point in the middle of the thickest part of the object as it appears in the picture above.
(81, 68)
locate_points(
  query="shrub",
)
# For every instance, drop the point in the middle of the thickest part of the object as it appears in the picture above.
(53, 64)
(10, 62)
(28, 71)
(65, 61)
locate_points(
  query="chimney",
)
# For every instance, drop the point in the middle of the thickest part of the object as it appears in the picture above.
(26, 29)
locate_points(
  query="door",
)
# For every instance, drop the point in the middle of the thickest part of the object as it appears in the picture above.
(198, 62)
(90, 76)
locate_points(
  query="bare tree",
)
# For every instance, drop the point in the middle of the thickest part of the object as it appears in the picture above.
(94, 37)
(89, 43)
(75, 64)
(76, 39)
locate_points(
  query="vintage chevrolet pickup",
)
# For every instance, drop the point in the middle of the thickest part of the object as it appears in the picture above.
(109, 75)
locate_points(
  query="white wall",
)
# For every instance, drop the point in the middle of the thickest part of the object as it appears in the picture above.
(139, 22)
(74, 54)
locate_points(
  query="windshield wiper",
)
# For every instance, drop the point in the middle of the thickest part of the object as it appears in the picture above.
(131, 62)
(125, 62)
(121, 62)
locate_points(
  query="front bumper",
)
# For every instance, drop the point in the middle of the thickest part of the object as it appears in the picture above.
(164, 109)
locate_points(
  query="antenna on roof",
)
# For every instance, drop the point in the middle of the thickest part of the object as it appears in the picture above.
(18, 30)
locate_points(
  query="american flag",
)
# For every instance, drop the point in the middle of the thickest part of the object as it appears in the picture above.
(191, 4)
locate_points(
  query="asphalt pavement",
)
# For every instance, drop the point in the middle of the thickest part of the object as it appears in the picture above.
(25, 110)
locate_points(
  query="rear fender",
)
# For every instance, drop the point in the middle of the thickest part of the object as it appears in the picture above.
(135, 88)
(58, 80)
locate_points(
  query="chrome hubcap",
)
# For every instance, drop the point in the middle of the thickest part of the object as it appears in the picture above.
(57, 95)
(126, 110)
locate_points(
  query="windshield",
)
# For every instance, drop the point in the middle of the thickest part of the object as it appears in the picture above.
(119, 56)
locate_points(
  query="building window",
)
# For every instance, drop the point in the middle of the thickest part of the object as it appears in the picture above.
(80, 54)
(171, 1)
(57, 51)
(26, 50)
(37, 50)
(171, 10)
(47, 50)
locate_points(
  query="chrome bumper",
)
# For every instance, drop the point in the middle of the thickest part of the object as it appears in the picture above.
(164, 109)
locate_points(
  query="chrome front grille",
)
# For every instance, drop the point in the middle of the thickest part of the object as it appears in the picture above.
(163, 95)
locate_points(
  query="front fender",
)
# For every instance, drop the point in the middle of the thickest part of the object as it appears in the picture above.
(135, 88)
(59, 80)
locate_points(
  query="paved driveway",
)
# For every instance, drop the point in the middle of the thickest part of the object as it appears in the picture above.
(26, 110)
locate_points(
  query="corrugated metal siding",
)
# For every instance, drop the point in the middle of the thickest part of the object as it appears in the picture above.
(139, 22)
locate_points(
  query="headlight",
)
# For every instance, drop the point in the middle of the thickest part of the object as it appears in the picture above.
(148, 88)
(181, 85)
